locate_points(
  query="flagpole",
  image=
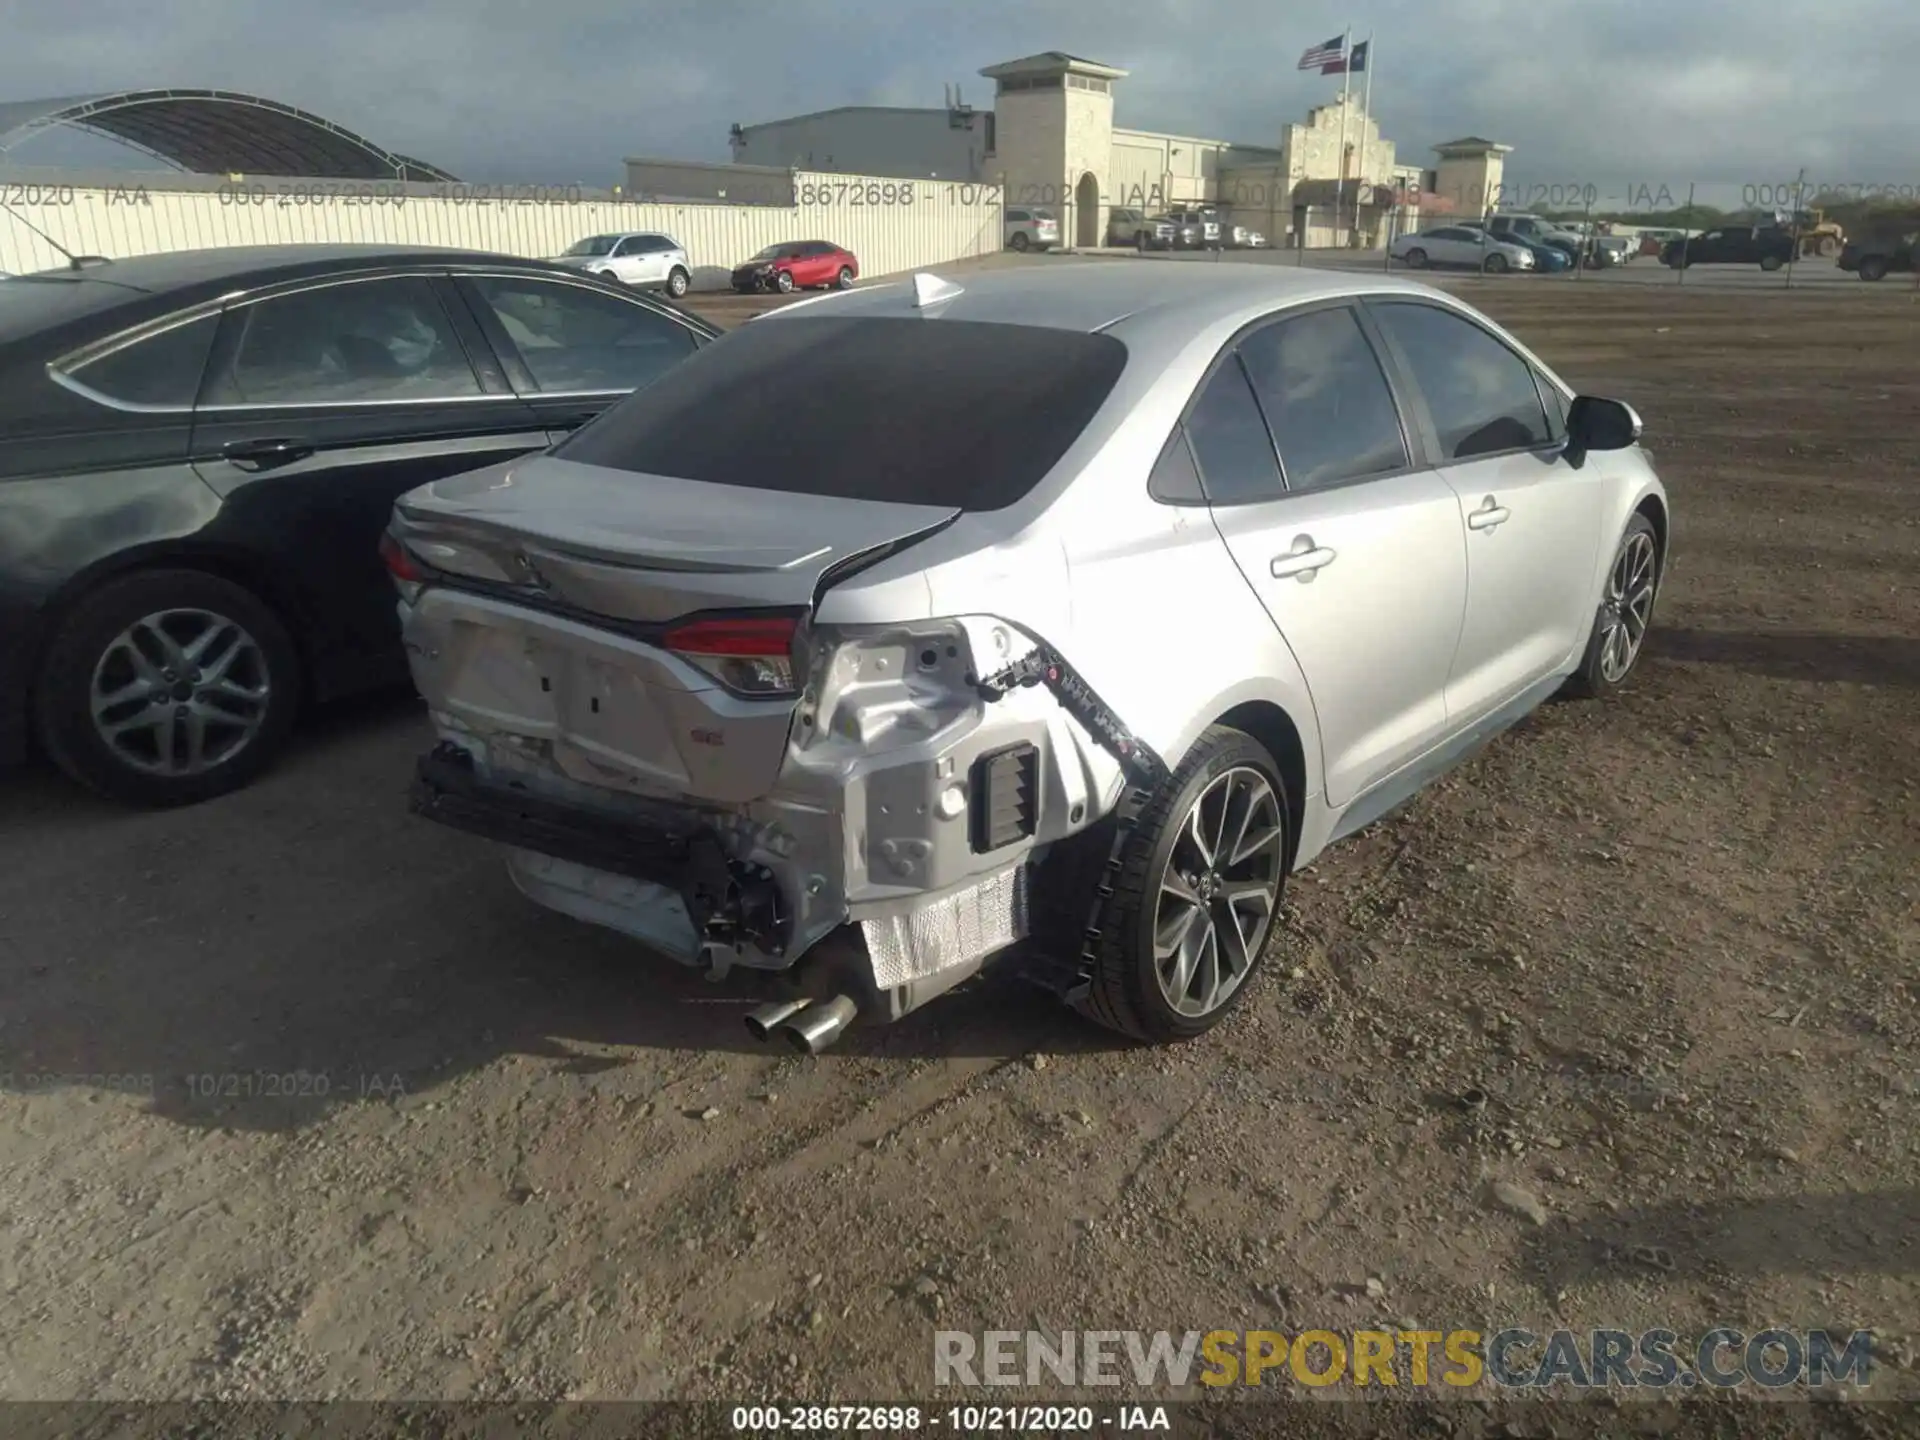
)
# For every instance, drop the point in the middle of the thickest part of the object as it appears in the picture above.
(1366, 104)
(1340, 174)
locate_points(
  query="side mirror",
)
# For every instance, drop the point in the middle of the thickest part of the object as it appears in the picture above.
(1594, 423)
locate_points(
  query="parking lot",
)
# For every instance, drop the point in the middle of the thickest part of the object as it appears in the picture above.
(302, 1099)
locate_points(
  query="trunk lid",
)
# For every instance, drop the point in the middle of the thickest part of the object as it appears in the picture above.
(645, 548)
(558, 657)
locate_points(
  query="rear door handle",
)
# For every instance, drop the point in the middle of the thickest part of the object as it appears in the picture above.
(1488, 515)
(258, 454)
(1305, 560)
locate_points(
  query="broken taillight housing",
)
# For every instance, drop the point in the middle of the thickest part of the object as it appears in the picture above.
(751, 654)
(407, 575)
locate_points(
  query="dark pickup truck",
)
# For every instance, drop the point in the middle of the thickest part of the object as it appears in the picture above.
(1767, 246)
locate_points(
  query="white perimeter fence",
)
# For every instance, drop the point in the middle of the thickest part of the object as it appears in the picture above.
(891, 225)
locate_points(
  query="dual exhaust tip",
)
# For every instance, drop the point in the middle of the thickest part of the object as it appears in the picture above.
(809, 1026)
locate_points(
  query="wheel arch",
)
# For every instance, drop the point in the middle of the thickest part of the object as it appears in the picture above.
(1275, 731)
(250, 573)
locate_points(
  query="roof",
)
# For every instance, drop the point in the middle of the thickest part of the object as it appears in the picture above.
(1093, 295)
(218, 132)
(1049, 61)
(175, 270)
(1471, 143)
(939, 111)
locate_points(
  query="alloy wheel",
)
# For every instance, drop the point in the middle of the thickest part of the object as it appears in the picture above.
(180, 691)
(1629, 606)
(1218, 892)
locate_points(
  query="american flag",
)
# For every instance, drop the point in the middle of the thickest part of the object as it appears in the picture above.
(1324, 53)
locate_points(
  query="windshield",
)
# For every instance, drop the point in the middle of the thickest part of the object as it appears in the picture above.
(960, 413)
(596, 245)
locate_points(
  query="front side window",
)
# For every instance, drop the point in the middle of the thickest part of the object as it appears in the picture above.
(594, 245)
(358, 341)
(1480, 395)
(574, 340)
(163, 369)
(1326, 399)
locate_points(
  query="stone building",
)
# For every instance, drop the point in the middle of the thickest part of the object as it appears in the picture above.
(1050, 142)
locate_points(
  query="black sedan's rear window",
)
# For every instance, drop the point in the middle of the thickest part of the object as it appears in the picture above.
(933, 412)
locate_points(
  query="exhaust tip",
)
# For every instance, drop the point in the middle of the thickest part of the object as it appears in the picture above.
(763, 1022)
(819, 1026)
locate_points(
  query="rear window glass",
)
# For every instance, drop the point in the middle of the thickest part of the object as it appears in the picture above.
(932, 412)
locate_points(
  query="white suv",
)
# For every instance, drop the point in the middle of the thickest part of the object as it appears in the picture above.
(642, 258)
(1032, 229)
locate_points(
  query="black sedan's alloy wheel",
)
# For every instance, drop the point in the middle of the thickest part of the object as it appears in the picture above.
(166, 688)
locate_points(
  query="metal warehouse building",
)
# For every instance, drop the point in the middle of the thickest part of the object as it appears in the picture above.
(1050, 140)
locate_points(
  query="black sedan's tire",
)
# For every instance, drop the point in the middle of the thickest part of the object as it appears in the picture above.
(1625, 615)
(167, 687)
(1771, 263)
(1199, 885)
(1873, 267)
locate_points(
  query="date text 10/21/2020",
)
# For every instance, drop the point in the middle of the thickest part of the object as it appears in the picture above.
(877, 194)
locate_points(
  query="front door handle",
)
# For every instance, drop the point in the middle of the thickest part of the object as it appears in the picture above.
(1305, 560)
(1488, 515)
(259, 454)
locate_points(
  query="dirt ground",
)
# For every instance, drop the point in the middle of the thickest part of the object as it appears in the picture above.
(1652, 961)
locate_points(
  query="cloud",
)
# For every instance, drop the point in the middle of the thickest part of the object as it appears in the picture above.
(1633, 92)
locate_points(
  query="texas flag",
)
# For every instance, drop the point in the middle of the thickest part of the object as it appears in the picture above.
(1352, 65)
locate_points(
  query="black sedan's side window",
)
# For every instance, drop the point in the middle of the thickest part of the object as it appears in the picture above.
(1480, 395)
(164, 369)
(576, 340)
(352, 341)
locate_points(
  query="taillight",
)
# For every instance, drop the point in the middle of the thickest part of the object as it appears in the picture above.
(749, 654)
(400, 564)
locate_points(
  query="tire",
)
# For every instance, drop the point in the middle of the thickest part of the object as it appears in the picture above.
(1128, 992)
(783, 282)
(1020, 242)
(1417, 258)
(1770, 263)
(678, 282)
(1600, 672)
(92, 645)
(1494, 265)
(845, 278)
(1873, 267)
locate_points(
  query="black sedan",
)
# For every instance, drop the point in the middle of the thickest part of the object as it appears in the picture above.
(200, 451)
(1767, 246)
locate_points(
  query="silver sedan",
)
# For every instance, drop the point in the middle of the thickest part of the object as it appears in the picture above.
(1102, 600)
(1460, 245)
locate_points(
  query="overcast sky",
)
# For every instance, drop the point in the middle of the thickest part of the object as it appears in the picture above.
(1619, 95)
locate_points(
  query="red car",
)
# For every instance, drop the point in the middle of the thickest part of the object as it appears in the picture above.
(798, 265)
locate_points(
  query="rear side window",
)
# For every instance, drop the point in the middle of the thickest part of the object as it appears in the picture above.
(1230, 441)
(1326, 399)
(932, 412)
(1480, 395)
(163, 369)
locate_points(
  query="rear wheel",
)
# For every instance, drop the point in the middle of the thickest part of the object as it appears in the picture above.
(1625, 614)
(166, 688)
(1417, 258)
(1770, 263)
(678, 282)
(1020, 242)
(1190, 912)
(845, 278)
